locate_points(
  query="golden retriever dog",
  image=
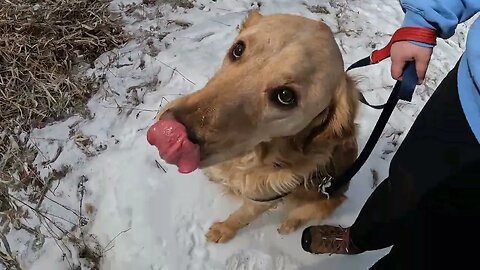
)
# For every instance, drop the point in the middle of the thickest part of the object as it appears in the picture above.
(277, 114)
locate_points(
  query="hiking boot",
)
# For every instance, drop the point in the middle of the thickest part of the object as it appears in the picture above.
(328, 239)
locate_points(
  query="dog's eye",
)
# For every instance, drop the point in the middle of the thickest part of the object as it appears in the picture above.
(284, 96)
(238, 50)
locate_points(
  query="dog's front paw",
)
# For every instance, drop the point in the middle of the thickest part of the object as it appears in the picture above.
(289, 226)
(220, 232)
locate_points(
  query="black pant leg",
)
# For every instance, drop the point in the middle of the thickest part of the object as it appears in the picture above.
(443, 230)
(438, 143)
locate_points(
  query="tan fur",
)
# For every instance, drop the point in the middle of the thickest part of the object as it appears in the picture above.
(256, 149)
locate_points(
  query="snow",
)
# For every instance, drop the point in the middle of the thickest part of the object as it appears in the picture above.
(141, 217)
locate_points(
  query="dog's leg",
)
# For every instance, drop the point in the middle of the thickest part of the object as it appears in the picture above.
(307, 211)
(221, 232)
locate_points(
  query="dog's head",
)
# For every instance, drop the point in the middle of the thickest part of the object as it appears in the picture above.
(280, 77)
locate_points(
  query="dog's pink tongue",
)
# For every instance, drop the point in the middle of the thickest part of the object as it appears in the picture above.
(170, 138)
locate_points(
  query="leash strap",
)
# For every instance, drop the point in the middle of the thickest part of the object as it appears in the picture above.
(402, 90)
(419, 34)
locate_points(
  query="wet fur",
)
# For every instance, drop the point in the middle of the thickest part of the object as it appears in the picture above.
(254, 164)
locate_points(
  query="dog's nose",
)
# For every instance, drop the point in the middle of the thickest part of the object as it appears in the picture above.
(307, 240)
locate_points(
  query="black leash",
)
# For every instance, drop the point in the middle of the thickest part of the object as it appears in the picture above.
(363, 63)
(402, 90)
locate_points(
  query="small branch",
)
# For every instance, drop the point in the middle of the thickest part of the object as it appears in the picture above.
(5, 158)
(5, 244)
(48, 162)
(59, 217)
(120, 233)
(44, 192)
(130, 108)
(161, 102)
(58, 245)
(39, 151)
(41, 215)
(175, 70)
(160, 166)
(63, 206)
(28, 229)
(81, 186)
(220, 22)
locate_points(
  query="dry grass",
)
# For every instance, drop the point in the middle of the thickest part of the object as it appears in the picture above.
(41, 44)
(44, 47)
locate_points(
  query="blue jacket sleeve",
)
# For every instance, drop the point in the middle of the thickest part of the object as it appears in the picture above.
(442, 15)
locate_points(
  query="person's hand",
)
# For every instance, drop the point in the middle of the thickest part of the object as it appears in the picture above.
(403, 52)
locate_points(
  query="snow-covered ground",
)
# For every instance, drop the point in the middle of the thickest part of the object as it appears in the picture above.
(143, 214)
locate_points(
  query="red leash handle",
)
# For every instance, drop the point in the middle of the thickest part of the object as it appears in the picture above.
(419, 34)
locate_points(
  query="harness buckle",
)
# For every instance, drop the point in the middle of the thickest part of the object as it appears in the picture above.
(324, 184)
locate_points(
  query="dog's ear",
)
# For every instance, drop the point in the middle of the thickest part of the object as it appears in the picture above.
(253, 17)
(346, 106)
(337, 121)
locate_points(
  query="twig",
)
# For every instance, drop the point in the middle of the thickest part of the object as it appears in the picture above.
(28, 229)
(57, 154)
(175, 70)
(40, 214)
(81, 186)
(54, 235)
(107, 67)
(5, 244)
(49, 139)
(160, 166)
(59, 217)
(130, 108)
(44, 193)
(5, 158)
(161, 102)
(58, 245)
(63, 206)
(106, 249)
(34, 172)
(56, 187)
(220, 22)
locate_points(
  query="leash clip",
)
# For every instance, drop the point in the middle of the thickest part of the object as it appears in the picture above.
(324, 184)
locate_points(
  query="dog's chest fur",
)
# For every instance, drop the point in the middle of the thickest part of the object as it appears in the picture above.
(267, 170)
